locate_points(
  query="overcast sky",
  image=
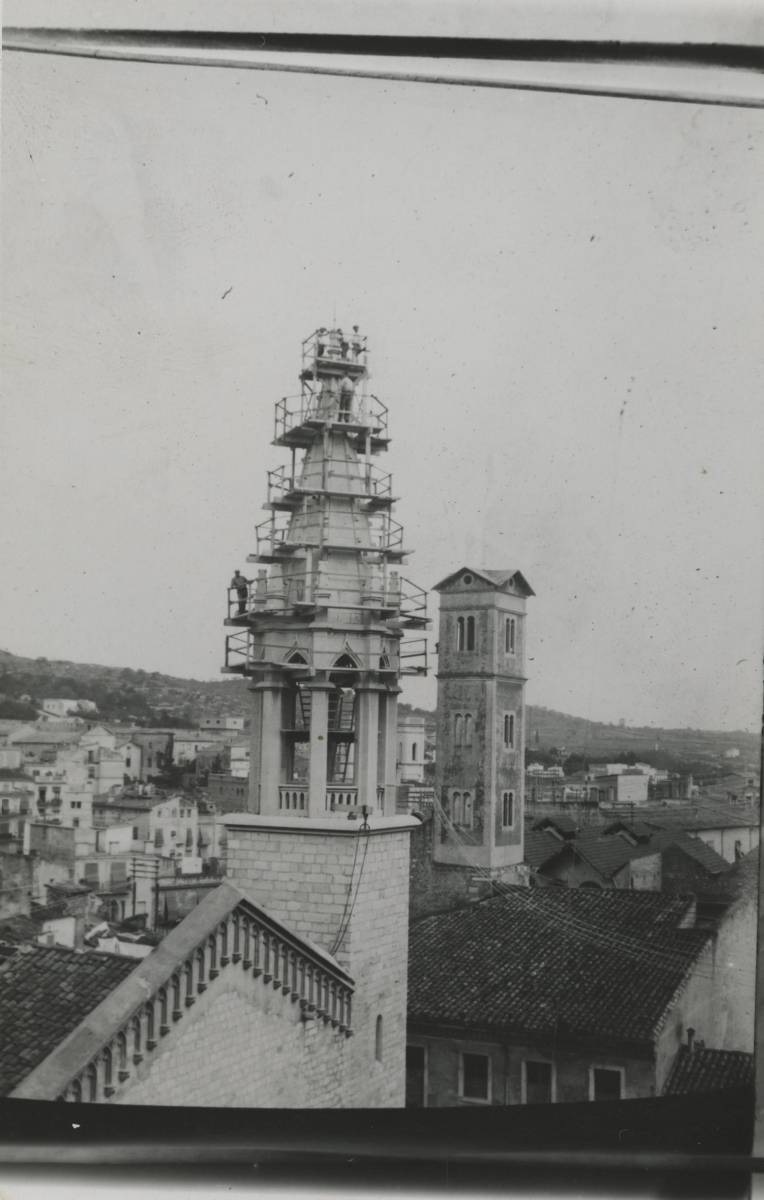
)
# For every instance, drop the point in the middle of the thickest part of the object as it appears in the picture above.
(563, 300)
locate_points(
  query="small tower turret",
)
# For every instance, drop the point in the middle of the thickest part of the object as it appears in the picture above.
(321, 627)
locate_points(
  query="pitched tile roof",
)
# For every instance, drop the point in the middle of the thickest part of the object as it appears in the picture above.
(698, 816)
(498, 578)
(702, 1070)
(45, 992)
(604, 963)
(704, 855)
(541, 847)
(607, 852)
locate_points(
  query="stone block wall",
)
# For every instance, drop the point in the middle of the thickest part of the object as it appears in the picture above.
(320, 877)
(242, 1044)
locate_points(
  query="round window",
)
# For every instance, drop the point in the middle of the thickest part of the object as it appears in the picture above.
(468, 579)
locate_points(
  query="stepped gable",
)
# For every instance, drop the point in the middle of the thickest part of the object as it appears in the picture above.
(606, 964)
(698, 1069)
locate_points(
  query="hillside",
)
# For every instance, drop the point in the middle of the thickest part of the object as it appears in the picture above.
(152, 698)
(121, 693)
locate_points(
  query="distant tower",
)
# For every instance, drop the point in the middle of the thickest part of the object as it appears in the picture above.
(480, 768)
(321, 626)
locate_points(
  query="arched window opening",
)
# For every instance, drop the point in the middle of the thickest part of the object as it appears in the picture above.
(507, 809)
(413, 751)
(509, 730)
(470, 633)
(458, 719)
(457, 809)
(297, 659)
(107, 1071)
(467, 810)
(378, 1039)
(92, 1084)
(460, 633)
(509, 635)
(468, 729)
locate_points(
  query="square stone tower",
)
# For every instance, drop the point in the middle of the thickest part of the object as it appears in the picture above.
(481, 722)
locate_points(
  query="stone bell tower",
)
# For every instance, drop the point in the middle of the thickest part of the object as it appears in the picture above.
(320, 627)
(480, 768)
(320, 632)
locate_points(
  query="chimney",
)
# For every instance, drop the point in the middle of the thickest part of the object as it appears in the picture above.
(690, 1039)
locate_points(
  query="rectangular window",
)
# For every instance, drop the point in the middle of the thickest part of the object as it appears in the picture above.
(538, 1083)
(606, 1083)
(507, 809)
(475, 1077)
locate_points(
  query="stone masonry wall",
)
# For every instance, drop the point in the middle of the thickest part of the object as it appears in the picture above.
(242, 1045)
(316, 881)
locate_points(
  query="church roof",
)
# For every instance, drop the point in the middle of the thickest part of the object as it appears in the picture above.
(496, 579)
(603, 964)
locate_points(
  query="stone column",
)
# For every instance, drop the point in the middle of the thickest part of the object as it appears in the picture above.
(388, 750)
(317, 765)
(255, 749)
(367, 737)
(270, 774)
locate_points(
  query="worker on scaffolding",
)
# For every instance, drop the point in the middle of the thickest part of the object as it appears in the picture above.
(242, 591)
(357, 343)
(347, 393)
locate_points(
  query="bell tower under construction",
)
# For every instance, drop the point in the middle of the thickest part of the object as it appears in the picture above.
(328, 624)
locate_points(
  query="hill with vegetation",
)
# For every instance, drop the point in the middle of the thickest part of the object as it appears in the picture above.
(153, 699)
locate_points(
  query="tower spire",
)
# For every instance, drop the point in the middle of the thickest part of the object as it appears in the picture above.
(320, 628)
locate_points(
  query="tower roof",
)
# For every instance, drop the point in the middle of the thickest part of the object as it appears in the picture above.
(499, 580)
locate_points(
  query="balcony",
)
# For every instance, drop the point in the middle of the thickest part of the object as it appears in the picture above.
(299, 420)
(374, 590)
(370, 484)
(338, 798)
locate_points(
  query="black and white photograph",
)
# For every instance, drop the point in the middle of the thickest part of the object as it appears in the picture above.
(381, 629)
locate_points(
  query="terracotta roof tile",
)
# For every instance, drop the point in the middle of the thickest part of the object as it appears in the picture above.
(702, 1070)
(45, 992)
(604, 963)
